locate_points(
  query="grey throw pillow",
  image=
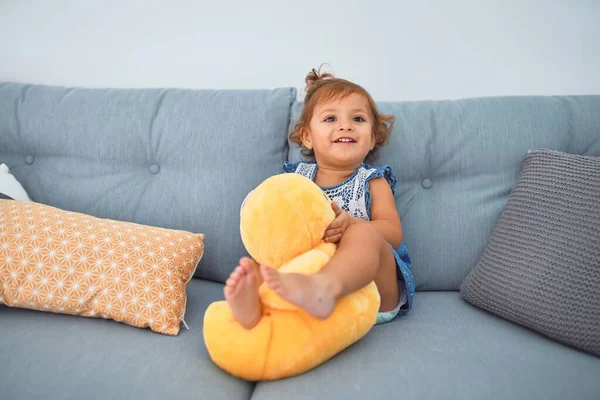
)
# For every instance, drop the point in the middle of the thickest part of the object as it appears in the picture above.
(541, 268)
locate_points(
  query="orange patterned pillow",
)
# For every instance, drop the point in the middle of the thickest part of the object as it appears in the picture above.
(71, 263)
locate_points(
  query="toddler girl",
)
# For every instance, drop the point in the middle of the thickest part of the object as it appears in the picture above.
(340, 129)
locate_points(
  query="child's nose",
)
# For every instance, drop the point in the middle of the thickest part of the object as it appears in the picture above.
(345, 126)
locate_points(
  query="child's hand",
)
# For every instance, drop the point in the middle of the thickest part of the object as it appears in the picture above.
(338, 226)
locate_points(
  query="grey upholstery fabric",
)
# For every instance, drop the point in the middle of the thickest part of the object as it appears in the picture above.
(186, 159)
(456, 162)
(182, 159)
(542, 266)
(62, 357)
(446, 349)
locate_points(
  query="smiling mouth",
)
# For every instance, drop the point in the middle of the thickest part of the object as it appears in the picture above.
(344, 140)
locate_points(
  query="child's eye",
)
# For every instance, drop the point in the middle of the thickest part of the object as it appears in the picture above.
(359, 119)
(330, 119)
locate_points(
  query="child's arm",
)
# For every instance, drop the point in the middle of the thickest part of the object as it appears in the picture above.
(384, 215)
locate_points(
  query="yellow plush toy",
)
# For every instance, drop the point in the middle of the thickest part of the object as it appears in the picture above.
(282, 223)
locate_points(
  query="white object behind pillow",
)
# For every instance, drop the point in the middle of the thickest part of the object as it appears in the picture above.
(10, 186)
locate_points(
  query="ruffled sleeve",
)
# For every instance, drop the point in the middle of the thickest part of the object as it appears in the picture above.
(378, 172)
(289, 166)
(385, 172)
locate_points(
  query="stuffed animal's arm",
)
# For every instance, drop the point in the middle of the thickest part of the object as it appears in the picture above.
(308, 263)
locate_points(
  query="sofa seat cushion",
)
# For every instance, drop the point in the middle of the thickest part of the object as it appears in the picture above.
(447, 349)
(57, 356)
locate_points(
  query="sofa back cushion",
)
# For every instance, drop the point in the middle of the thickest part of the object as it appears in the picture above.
(179, 159)
(457, 161)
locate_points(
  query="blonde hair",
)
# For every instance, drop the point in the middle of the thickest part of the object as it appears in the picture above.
(326, 87)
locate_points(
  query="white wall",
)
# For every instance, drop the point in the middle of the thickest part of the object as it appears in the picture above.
(397, 49)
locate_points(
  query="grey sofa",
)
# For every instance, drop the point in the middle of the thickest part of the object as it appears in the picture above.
(185, 159)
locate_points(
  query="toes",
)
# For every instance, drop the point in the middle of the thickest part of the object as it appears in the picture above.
(266, 273)
(235, 276)
(241, 271)
(252, 277)
(266, 270)
(238, 272)
(247, 263)
(271, 277)
(236, 281)
(230, 284)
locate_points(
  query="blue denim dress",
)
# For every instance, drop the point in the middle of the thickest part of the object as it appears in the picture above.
(353, 196)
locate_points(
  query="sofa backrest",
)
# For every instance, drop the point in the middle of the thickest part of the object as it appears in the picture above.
(185, 159)
(456, 163)
(182, 159)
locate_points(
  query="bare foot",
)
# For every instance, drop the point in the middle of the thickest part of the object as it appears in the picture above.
(241, 292)
(316, 294)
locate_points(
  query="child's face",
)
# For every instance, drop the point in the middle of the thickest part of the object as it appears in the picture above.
(341, 132)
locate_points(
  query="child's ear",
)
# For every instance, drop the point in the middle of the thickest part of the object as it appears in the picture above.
(305, 136)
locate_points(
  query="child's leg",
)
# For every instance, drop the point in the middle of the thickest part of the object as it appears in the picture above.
(241, 292)
(363, 255)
